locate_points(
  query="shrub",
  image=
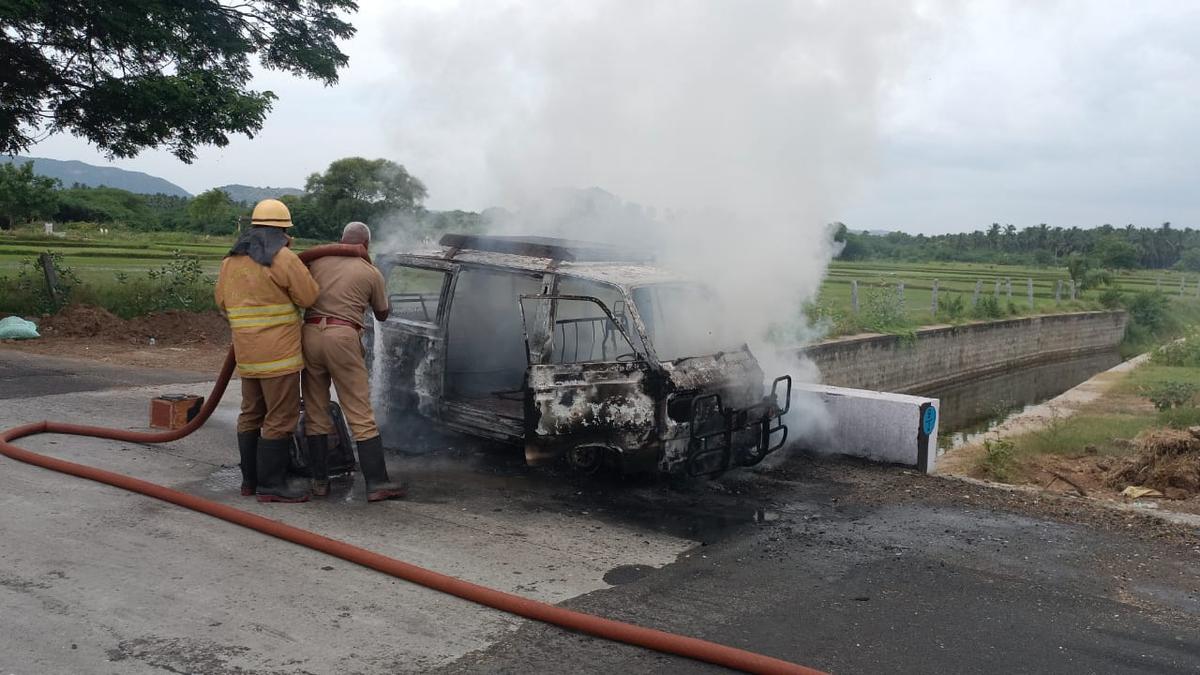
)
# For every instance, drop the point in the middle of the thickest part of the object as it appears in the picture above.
(1184, 353)
(953, 307)
(883, 310)
(179, 284)
(1170, 394)
(998, 458)
(1180, 418)
(988, 307)
(1111, 298)
(27, 294)
(1149, 310)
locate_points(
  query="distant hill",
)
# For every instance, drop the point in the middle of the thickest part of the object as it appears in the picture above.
(72, 171)
(248, 194)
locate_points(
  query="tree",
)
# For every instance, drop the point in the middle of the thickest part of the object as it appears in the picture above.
(355, 188)
(1084, 273)
(1114, 253)
(993, 235)
(213, 212)
(25, 195)
(105, 205)
(152, 73)
(1189, 260)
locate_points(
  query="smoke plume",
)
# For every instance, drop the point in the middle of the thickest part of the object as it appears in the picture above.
(731, 132)
(741, 127)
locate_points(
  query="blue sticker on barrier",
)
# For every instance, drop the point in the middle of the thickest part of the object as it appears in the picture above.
(928, 420)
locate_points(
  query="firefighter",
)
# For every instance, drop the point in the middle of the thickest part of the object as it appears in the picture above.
(333, 353)
(260, 288)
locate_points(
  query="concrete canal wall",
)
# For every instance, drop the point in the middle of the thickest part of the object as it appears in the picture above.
(942, 355)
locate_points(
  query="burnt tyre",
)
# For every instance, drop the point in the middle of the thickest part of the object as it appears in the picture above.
(589, 460)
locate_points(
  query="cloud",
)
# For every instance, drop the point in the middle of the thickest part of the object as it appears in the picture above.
(1068, 113)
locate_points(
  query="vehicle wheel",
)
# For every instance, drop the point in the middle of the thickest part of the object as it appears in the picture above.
(587, 460)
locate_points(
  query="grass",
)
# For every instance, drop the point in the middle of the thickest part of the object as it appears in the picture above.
(1107, 433)
(1103, 427)
(1151, 375)
(998, 461)
(127, 273)
(100, 259)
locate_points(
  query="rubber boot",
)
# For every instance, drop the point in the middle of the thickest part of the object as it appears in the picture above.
(248, 450)
(374, 470)
(318, 463)
(273, 457)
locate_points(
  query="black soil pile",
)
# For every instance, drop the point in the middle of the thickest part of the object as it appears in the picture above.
(172, 327)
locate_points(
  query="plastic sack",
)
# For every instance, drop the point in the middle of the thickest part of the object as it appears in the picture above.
(16, 328)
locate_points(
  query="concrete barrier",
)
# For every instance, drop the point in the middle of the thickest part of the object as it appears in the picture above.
(882, 427)
(941, 355)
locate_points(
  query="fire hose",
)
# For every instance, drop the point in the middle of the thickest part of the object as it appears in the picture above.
(618, 631)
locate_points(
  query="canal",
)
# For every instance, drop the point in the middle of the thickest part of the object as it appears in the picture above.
(970, 409)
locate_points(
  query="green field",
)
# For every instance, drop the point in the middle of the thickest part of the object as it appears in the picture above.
(100, 260)
(959, 279)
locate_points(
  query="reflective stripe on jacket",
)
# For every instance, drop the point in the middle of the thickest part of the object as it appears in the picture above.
(261, 304)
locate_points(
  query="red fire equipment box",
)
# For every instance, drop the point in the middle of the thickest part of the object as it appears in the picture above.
(174, 410)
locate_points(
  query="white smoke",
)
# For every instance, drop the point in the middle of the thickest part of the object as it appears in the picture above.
(744, 125)
(739, 127)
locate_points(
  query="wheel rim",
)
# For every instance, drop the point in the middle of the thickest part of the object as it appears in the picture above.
(585, 459)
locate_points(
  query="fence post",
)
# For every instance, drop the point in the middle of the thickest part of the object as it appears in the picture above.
(933, 304)
(1158, 284)
(1029, 290)
(51, 275)
(1058, 292)
(900, 293)
(1072, 290)
(1008, 285)
(975, 297)
(996, 291)
(1181, 279)
(854, 295)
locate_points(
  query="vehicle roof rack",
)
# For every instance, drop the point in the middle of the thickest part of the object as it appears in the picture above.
(544, 247)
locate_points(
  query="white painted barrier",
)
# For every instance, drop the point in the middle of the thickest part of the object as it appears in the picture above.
(882, 427)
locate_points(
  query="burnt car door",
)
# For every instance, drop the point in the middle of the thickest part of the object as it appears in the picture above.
(406, 353)
(485, 366)
(590, 392)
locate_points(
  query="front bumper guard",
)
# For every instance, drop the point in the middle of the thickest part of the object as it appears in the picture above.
(722, 438)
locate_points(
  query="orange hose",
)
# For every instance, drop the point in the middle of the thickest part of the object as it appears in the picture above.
(670, 643)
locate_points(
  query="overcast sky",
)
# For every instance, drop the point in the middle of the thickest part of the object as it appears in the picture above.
(1069, 113)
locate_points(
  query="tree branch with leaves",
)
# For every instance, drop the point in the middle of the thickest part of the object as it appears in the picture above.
(136, 74)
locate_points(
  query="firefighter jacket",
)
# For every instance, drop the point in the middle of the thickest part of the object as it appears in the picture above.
(262, 305)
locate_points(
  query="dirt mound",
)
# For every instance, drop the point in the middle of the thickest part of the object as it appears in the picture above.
(1167, 460)
(176, 327)
(172, 327)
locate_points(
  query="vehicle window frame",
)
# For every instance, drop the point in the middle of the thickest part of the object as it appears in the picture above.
(548, 357)
(448, 271)
(642, 345)
(637, 312)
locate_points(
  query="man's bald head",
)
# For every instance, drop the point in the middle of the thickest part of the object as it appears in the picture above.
(356, 233)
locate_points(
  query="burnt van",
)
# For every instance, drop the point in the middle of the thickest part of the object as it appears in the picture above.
(574, 351)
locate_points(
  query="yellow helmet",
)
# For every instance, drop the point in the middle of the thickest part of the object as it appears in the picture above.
(272, 213)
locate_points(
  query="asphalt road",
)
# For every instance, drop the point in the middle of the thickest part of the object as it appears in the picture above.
(864, 572)
(24, 375)
(836, 565)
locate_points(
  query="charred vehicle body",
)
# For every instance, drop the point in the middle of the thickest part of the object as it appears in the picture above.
(571, 350)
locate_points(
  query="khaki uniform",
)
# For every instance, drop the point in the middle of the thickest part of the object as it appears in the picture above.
(261, 305)
(334, 353)
(271, 404)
